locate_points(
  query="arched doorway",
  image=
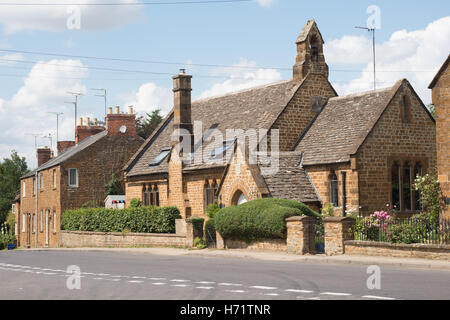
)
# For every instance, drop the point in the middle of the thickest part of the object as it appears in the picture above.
(238, 198)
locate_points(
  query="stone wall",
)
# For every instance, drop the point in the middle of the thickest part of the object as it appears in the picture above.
(426, 251)
(268, 244)
(80, 239)
(441, 100)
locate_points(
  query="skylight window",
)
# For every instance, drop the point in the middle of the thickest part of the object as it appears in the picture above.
(160, 157)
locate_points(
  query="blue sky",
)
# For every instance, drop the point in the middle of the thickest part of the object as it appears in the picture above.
(413, 40)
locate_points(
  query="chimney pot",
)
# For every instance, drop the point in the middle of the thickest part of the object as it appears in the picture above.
(110, 110)
(88, 121)
(130, 109)
(95, 122)
(80, 121)
(117, 110)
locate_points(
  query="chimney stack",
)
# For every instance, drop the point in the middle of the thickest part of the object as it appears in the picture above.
(121, 124)
(182, 107)
(63, 145)
(85, 130)
(43, 155)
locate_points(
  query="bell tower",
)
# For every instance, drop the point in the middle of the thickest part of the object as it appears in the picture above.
(310, 56)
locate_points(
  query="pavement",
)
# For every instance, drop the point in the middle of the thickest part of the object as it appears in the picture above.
(277, 256)
(180, 274)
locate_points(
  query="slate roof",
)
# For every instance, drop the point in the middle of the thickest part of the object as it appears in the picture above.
(254, 108)
(342, 126)
(438, 75)
(69, 153)
(291, 181)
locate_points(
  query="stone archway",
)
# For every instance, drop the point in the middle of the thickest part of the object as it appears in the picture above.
(238, 198)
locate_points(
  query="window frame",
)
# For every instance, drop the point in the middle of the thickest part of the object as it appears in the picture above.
(54, 221)
(54, 179)
(41, 229)
(334, 189)
(76, 178)
(24, 189)
(24, 222)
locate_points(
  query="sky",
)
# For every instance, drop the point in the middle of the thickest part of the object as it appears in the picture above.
(132, 51)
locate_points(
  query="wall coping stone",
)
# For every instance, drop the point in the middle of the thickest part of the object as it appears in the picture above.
(298, 218)
(396, 245)
(172, 235)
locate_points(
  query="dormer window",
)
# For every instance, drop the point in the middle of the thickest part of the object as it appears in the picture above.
(160, 157)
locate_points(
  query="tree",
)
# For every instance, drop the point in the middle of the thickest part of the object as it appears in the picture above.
(10, 172)
(432, 109)
(114, 186)
(145, 126)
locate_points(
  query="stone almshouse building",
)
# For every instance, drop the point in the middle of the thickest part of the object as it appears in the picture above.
(440, 87)
(76, 176)
(358, 152)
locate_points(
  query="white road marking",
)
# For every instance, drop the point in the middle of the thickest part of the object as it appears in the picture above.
(158, 283)
(136, 277)
(205, 288)
(205, 282)
(264, 288)
(298, 291)
(271, 294)
(235, 291)
(157, 279)
(98, 278)
(230, 284)
(336, 293)
(180, 280)
(314, 298)
(180, 285)
(378, 297)
(135, 281)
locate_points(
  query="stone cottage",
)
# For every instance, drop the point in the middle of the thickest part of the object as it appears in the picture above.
(358, 152)
(76, 176)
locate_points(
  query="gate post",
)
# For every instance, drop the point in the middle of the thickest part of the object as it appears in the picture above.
(300, 235)
(337, 231)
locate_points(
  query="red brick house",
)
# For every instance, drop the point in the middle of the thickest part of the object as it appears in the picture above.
(76, 176)
(359, 152)
(440, 87)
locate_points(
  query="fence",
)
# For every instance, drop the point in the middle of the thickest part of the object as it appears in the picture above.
(403, 230)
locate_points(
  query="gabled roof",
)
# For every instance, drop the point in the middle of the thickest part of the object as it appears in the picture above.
(291, 181)
(438, 75)
(343, 125)
(251, 108)
(69, 153)
(311, 24)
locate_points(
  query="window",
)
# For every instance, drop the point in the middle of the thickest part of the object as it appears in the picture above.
(41, 181)
(156, 196)
(24, 187)
(207, 194)
(334, 192)
(34, 222)
(42, 221)
(160, 157)
(152, 195)
(54, 179)
(34, 186)
(404, 105)
(23, 222)
(54, 222)
(215, 190)
(145, 195)
(404, 197)
(73, 177)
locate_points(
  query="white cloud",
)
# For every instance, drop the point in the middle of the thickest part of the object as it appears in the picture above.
(44, 90)
(148, 98)
(243, 75)
(414, 55)
(265, 3)
(55, 18)
(10, 59)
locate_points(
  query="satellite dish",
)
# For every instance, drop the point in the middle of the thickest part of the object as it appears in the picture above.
(123, 129)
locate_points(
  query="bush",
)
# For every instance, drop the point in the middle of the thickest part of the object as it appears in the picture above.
(199, 243)
(259, 219)
(431, 195)
(6, 237)
(140, 219)
(135, 203)
(421, 226)
(212, 209)
(197, 224)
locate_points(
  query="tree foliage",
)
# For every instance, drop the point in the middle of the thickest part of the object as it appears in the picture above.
(146, 125)
(11, 169)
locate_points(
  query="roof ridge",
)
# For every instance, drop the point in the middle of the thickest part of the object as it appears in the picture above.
(242, 91)
(364, 93)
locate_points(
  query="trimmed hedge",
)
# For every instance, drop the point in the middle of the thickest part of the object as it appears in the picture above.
(259, 219)
(140, 219)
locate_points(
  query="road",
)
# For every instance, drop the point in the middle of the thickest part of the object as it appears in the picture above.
(118, 275)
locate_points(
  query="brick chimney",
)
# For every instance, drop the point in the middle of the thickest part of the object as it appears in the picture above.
(63, 145)
(43, 155)
(182, 105)
(121, 124)
(84, 131)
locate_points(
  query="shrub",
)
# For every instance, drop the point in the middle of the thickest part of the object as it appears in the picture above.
(6, 237)
(212, 209)
(420, 226)
(199, 243)
(259, 219)
(140, 219)
(135, 203)
(197, 224)
(431, 195)
(328, 210)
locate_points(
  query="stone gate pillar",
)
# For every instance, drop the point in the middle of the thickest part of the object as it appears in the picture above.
(300, 235)
(337, 230)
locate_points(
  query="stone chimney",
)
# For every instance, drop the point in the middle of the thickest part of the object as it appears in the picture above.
(84, 131)
(182, 107)
(43, 155)
(63, 145)
(121, 124)
(310, 57)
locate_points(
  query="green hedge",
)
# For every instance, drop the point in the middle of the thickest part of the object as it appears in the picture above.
(259, 219)
(141, 219)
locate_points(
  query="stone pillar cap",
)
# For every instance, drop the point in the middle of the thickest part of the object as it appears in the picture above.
(338, 219)
(297, 218)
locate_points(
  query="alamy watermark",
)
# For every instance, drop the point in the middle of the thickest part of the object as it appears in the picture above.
(74, 20)
(73, 281)
(374, 280)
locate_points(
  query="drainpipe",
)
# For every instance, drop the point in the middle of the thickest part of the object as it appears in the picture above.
(36, 214)
(344, 193)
